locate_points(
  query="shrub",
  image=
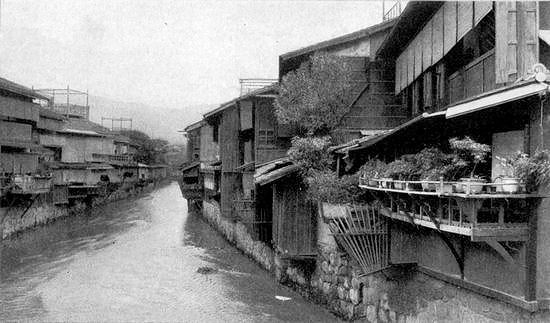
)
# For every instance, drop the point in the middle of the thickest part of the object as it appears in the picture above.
(470, 152)
(401, 169)
(373, 168)
(326, 186)
(533, 170)
(311, 153)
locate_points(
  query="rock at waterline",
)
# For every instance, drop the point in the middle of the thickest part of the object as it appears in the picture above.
(206, 270)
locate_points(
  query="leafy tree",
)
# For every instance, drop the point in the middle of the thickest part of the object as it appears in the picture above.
(315, 97)
(150, 151)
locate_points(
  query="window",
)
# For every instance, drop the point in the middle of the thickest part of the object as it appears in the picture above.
(215, 133)
(266, 137)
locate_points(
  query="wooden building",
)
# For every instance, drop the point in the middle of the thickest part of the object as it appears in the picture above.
(248, 136)
(20, 151)
(469, 69)
(375, 108)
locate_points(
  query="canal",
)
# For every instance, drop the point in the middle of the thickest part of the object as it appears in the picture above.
(137, 260)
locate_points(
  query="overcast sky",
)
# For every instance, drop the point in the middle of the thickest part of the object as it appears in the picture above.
(164, 53)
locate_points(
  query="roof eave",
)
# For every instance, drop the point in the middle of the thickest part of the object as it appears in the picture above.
(366, 32)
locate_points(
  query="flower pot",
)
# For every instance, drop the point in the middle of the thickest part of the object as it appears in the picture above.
(385, 182)
(399, 185)
(509, 185)
(458, 188)
(428, 186)
(445, 188)
(372, 183)
(472, 185)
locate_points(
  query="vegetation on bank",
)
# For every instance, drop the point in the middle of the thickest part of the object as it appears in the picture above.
(313, 100)
(149, 151)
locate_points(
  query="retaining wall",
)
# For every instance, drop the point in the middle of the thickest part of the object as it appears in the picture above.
(398, 294)
(21, 217)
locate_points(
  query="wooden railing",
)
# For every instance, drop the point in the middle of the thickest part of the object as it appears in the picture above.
(475, 78)
(478, 210)
(109, 158)
(26, 184)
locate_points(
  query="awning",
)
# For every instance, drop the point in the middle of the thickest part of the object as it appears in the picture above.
(274, 170)
(190, 166)
(496, 98)
(417, 121)
(275, 174)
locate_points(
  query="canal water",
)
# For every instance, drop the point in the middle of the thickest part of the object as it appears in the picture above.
(137, 260)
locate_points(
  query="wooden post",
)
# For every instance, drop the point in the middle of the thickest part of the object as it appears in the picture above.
(531, 257)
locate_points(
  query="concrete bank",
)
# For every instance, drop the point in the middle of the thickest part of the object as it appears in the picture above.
(398, 294)
(40, 210)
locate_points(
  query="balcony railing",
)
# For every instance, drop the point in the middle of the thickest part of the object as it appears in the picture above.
(110, 158)
(482, 211)
(26, 184)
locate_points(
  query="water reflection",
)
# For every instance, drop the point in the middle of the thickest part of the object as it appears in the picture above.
(137, 260)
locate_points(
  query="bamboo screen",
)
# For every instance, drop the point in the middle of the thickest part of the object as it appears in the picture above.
(363, 233)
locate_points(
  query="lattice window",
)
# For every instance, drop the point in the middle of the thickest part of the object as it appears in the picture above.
(266, 137)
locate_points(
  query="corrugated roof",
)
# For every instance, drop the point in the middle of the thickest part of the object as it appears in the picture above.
(354, 36)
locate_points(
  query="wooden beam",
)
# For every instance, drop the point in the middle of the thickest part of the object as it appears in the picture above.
(531, 257)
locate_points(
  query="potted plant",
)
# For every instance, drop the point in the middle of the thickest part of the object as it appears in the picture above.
(432, 165)
(509, 182)
(472, 153)
(371, 171)
(534, 170)
(400, 170)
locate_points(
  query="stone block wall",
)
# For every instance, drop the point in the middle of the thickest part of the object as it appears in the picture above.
(396, 294)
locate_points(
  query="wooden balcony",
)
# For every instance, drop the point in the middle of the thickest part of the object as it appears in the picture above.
(485, 216)
(25, 184)
(113, 158)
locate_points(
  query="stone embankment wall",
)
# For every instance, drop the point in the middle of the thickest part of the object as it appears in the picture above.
(398, 294)
(40, 210)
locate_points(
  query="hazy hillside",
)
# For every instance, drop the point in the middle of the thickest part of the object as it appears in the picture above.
(158, 122)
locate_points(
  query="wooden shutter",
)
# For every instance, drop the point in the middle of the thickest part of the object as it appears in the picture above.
(528, 46)
(506, 41)
(481, 9)
(465, 18)
(404, 71)
(427, 88)
(449, 26)
(417, 57)
(437, 36)
(410, 64)
(427, 46)
(398, 75)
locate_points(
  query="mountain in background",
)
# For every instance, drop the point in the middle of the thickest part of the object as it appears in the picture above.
(156, 122)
